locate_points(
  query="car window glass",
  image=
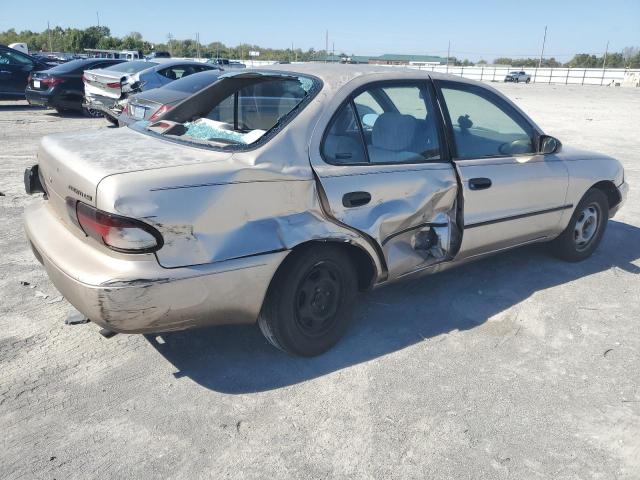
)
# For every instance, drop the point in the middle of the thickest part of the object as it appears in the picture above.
(408, 101)
(14, 58)
(400, 129)
(343, 142)
(482, 127)
(260, 106)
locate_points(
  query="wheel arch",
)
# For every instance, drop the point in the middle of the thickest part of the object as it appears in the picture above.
(610, 190)
(365, 266)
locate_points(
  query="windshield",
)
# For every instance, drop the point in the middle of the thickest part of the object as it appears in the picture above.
(514, 73)
(132, 67)
(237, 110)
(70, 66)
(195, 82)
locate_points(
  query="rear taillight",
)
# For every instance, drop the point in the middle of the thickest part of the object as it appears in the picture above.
(29, 78)
(51, 81)
(113, 85)
(119, 233)
(159, 112)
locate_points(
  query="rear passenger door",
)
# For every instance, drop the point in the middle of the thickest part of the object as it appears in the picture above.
(512, 194)
(383, 172)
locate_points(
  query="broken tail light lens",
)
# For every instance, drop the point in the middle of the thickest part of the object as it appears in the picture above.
(119, 233)
(159, 112)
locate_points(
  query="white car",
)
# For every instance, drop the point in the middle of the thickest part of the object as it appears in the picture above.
(106, 89)
(518, 76)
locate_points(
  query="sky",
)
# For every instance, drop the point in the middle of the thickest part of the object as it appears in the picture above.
(482, 29)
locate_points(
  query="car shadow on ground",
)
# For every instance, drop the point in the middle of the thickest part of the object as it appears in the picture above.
(237, 359)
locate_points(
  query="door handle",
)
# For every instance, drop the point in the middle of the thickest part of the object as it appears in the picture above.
(479, 183)
(356, 199)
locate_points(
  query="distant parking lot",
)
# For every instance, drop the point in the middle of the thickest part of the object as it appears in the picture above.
(518, 366)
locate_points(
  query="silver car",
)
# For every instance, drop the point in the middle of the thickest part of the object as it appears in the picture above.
(107, 89)
(274, 196)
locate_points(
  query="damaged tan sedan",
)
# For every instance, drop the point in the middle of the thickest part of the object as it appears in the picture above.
(274, 196)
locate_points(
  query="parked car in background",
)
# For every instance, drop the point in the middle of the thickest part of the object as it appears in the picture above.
(226, 64)
(62, 88)
(153, 55)
(518, 76)
(151, 104)
(20, 46)
(15, 68)
(106, 89)
(233, 208)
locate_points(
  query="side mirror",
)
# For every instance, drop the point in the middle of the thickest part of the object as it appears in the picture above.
(549, 144)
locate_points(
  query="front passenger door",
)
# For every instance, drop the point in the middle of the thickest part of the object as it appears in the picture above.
(512, 194)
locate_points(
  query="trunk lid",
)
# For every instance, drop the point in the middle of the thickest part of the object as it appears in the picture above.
(104, 82)
(73, 164)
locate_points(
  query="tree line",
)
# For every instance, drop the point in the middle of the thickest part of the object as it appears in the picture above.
(74, 40)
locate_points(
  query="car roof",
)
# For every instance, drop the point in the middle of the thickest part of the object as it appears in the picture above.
(338, 75)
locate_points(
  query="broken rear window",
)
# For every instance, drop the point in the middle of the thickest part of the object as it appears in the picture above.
(239, 110)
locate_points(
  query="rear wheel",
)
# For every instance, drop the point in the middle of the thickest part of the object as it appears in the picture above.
(586, 228)
(528, 80)
(308, 305)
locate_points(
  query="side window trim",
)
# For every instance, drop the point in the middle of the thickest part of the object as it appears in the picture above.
(501, 103)
(427, 84)
(360, 128)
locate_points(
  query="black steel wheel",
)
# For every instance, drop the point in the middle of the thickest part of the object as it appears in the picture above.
(308, 305)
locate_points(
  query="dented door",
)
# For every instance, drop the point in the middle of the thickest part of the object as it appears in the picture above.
(382, 173)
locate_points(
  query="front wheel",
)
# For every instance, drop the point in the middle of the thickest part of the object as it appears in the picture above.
(528, 80)
(308, 305)
(586, 228)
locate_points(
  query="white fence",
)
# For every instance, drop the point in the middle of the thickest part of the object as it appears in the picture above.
(565, 76)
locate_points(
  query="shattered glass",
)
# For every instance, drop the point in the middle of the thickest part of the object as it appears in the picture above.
(205, 129)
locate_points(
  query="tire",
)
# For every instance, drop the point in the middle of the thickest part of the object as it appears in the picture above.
(528, 80)
(309, 302)
(517, 80)
(111, 120)
(91, 113)
(61, 111)
(585, 230)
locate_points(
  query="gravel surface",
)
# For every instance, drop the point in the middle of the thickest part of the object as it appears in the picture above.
(518, 366)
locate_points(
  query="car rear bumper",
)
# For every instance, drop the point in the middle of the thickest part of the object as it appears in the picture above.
(134, 294)
(40, 98)
(107, 105)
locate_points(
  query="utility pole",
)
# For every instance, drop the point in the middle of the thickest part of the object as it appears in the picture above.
(98, 17)
(544, 40)
(448, 54)
(198, 44)
(606, 51)
(49, 34)
(333, 49)
(170, 37)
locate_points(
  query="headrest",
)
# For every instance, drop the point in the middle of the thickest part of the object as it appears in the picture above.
(394, 131)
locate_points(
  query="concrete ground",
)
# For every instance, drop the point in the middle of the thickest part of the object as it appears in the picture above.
(519, 366)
